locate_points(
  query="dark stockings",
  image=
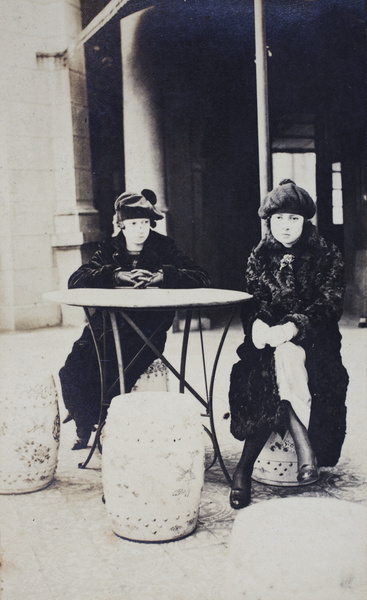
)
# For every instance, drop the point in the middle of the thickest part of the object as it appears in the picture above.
(252, 448)
(299, 434)
(307, 464)
(241, 483)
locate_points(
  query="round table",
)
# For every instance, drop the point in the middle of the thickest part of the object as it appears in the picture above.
(126, 301)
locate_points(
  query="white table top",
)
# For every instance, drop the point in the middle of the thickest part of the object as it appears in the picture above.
(147, 298)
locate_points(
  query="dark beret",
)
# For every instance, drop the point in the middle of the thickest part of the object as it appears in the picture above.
(287, 197)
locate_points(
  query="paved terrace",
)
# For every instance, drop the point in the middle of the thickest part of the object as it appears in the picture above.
(57, 543)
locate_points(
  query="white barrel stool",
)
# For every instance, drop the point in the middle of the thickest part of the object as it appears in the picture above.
(29, 431)
(155, 378)
(298, 549)
(153, 465)
(277, 463)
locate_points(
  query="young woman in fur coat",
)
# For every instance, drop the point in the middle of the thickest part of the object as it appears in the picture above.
(137, 257)
(290, 375)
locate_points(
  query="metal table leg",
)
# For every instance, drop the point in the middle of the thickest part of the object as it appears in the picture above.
(185, 343)
(180, 375)
(83, 465)
(120, 363)
(159, 354)
(210, 403)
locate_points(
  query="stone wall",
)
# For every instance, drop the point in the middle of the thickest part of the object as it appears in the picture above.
(45, 177)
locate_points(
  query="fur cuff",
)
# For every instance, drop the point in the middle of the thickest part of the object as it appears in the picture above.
(302, 323)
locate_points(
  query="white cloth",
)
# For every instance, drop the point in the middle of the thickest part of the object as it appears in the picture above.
(292, 379)
(279, 334)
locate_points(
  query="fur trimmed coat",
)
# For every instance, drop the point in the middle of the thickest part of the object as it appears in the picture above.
(303, 284)
(79, 376)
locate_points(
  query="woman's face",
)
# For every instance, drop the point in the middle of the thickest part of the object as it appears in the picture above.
(136, 232)
(286, 228)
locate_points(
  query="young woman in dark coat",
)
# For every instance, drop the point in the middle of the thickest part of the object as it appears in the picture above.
(290, 375)
(137, 257)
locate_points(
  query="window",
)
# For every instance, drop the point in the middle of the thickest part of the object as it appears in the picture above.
(337, 194)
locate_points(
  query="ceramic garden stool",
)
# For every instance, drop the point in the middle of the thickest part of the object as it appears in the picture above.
(153, 465)
(277, 463)
(298, 549)
(29, 430)
(154, 379)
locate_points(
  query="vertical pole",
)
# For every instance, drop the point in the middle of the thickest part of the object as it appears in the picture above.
(265, 170)
(143, 147)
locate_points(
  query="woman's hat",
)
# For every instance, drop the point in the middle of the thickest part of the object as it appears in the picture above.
(137, 206)
(287, 197)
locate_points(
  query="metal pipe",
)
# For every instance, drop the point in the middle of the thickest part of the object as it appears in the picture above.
(265, 170)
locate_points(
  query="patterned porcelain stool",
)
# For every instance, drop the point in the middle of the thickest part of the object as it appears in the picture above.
(154, 379)
(153, 465)
(298, 549)
(277, 462)
(29, 431)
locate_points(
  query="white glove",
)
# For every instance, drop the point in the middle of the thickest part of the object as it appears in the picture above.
(260, 334)
(279, 334)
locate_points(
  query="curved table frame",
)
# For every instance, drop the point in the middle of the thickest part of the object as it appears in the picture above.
(122, 300)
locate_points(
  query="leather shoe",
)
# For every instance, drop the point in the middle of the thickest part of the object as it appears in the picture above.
(83, 434)
(80, 443)
(240, 497)
(308, 474)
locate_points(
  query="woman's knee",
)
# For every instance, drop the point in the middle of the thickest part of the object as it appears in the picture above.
(289, 349)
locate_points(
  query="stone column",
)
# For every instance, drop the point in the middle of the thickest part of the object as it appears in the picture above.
(144, 163)
(47, 211)
(76, 220)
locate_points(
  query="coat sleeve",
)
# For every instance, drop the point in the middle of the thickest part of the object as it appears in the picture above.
(180, 271)
(327, 306)
(259, 307)
(97, 273)
(324, 307)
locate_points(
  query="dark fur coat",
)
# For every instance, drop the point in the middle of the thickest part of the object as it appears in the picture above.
(79, 377)
(307, 288)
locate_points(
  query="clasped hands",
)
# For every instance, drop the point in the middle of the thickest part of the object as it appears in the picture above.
(263, 334)
(138, 278)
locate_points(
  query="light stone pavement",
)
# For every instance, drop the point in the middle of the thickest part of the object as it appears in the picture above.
(57, 543)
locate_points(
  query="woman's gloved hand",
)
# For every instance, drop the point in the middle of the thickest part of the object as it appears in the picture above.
(138, 278)
(145, 278)
(156, 278)
(260, 334)
(123, 277)
(141, 277)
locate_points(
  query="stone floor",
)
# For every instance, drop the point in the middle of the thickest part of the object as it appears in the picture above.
(57, 544)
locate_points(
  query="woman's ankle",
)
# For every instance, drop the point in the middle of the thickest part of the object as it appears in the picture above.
(242, 476)
(307, 458)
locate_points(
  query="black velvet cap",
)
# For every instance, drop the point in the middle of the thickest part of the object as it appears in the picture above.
(137, 206)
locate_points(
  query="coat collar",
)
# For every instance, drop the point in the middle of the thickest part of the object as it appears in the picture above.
(309, 241)
(149, 256)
